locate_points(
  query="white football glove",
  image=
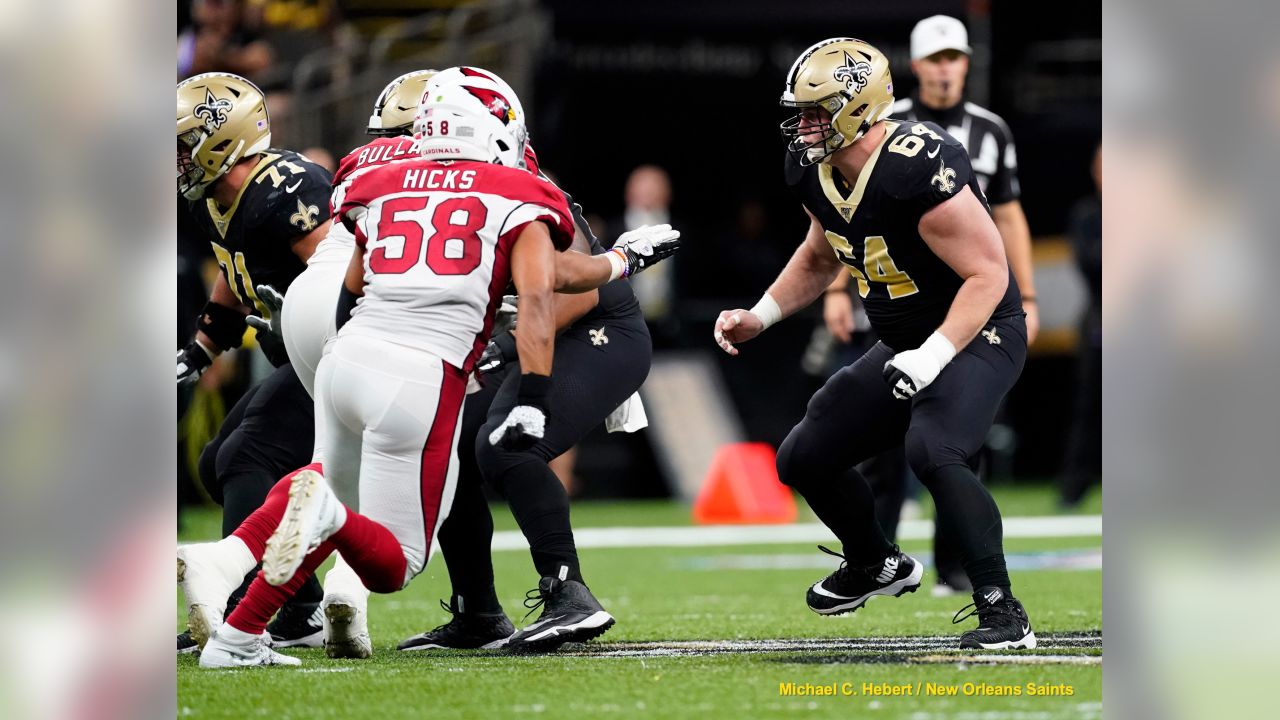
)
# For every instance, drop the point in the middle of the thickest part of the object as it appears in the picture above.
(646, 246)
(524, 426)
(911, 371)
(273, 301)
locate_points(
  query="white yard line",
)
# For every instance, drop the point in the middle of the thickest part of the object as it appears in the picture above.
(921, 649)
(703, 536)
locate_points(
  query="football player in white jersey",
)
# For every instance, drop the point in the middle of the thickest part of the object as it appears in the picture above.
(437, 240)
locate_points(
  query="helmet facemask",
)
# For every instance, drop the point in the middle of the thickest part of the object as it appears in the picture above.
(814, 118)
(190, 175)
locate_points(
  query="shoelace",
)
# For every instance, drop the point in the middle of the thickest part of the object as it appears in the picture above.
(534, 599)
(1000, 608)
(453, 616)
(844, 569)
(844, 562)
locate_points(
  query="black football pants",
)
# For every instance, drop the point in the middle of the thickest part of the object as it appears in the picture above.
(597, 366)
(855, 417)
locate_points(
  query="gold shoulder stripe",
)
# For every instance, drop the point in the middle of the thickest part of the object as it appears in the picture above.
(222, 220)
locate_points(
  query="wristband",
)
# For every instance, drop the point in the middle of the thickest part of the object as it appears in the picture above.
(618, 263)
(206, 350)
(940, 348)
(533, 390)
(767, 310)
(225, 326)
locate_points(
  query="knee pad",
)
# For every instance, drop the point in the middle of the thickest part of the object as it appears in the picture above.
(928, 449)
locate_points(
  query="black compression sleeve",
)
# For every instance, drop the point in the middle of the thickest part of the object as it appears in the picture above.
(225, 326)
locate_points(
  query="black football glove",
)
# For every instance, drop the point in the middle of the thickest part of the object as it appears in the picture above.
(500, 351)
(193, 360)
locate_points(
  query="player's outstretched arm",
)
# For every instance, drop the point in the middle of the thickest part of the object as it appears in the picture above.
(807, 275)
(635, 251)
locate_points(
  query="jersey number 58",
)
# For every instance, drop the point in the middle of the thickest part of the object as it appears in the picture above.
(454, 247)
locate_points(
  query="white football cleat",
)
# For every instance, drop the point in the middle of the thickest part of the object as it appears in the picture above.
(223, 651)
(208, 573)
(346, 628)
(312, 515)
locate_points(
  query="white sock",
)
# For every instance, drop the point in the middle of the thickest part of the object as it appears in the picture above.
(341, 582)
(238, 559)
(232, 636)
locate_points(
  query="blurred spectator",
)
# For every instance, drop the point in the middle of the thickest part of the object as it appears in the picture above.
(321, 157)
(294, 29)
(746, 245)
(1084, 446)
(219, 39)
(648, 199)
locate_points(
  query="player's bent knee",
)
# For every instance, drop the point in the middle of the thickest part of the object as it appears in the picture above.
(208, 469)
(929, 450)
(796, 461)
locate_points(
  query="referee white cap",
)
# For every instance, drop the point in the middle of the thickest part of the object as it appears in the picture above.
(937, 33)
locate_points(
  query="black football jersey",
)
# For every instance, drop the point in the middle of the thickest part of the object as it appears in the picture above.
(284, 198)
(985, 137)
(617, 300)
(873, 227)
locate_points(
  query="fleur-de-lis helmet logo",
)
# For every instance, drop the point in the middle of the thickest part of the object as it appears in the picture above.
(213, 110)
(853, 73)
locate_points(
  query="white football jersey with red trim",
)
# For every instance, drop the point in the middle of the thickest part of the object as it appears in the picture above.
(438, 239)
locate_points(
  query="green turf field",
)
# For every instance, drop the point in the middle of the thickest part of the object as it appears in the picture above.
(702, 631)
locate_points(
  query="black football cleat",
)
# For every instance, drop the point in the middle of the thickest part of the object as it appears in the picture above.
(1002, 622)
(186, 643)
(297, 625)
(464, 631)
(570, 613)
(849, 588)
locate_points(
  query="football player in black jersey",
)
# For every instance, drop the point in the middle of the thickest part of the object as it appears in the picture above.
(897, 206)
(262, 210)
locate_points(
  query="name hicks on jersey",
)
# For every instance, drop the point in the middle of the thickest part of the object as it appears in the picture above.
(439, 179)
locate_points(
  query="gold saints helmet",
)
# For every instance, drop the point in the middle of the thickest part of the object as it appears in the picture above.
(396, 106)
(850, 80)
(222, 118)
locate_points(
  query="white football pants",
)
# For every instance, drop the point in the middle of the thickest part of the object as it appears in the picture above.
(391, 416)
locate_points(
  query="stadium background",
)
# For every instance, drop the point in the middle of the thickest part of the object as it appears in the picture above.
(690, 87)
